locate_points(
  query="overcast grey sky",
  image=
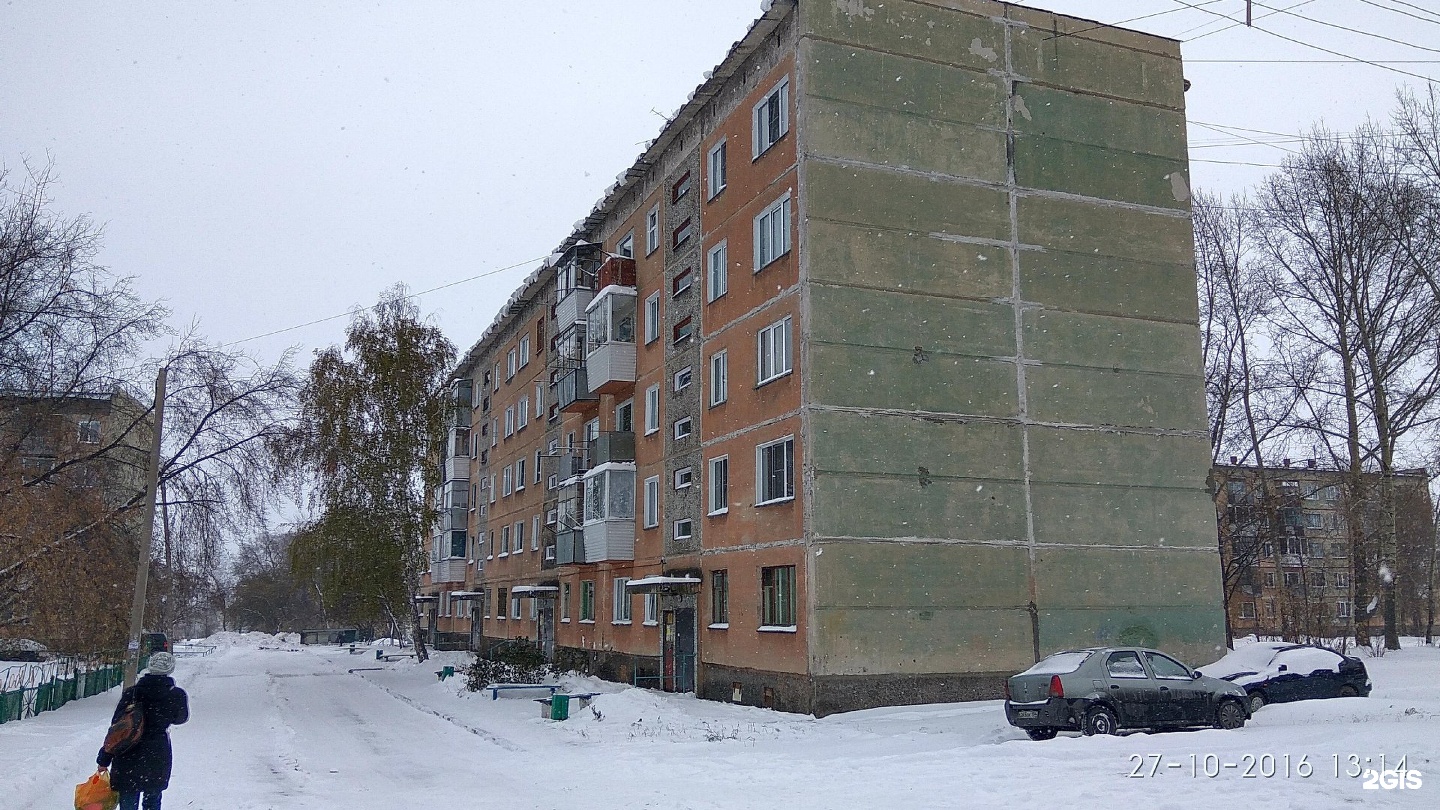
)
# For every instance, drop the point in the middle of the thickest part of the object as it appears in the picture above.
(264, 164)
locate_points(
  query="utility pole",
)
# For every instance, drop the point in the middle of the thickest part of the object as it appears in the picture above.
(142, 569)
(1249, 13)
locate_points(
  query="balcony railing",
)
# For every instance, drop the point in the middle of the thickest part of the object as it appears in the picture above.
(612, 446)
(457, 468)
(572, 391)
(570, 547)
(570, 305)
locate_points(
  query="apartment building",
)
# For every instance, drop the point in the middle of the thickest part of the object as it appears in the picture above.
(1287, 539)
(871, 381)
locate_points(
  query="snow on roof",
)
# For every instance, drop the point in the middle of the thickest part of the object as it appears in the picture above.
(533, 590)
(649, 581)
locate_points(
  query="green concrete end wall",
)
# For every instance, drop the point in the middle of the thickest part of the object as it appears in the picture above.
(1003, 381)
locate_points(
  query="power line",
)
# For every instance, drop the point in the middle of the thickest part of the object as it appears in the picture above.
(1311, 61)
(1308, 45)
(1222, 131)
(1352, 30)
(1124, 22)
(1431, 20)
(373, 306)
(1236, 24)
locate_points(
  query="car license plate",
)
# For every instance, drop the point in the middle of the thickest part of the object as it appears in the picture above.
(1027, 715)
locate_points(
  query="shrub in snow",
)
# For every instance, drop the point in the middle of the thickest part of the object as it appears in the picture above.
(508, 662)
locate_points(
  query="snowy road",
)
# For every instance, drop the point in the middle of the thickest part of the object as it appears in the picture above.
(281, 728)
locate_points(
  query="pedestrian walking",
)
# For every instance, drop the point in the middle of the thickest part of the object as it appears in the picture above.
(145, 769)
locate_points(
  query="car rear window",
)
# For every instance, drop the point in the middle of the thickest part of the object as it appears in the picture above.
(1058, 664)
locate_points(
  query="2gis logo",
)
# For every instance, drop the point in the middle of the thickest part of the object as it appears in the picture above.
(1400, 779)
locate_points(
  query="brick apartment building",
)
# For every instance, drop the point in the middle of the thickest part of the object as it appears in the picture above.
(873, 379)
(1286, 547)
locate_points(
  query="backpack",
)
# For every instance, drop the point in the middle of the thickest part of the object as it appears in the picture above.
(124, 733)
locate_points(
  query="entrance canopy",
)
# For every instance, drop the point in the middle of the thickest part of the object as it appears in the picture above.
(664, 584)
(535, 591)
(466, 594)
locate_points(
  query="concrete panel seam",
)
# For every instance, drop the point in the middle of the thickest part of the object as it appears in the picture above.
(980, 240)
(781, 180)
(1016, 543)
(932, 353)
(1175, 213)
(941, 416)
(850, 285)
(750, 428)
(719, 550)
(770, 302)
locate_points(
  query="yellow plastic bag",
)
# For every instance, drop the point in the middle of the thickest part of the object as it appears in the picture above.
(95, 793)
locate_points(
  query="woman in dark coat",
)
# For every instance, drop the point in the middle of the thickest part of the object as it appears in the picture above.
(146, 767)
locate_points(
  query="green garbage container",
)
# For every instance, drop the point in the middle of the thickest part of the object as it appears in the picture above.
(559, 707)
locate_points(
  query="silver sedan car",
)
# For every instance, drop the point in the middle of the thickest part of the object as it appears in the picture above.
(1102, 690)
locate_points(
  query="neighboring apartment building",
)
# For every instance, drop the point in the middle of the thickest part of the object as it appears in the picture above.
(874, 379)
(67, 463)
(1288, 557)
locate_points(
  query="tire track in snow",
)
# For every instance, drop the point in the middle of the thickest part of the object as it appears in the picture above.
(478, 732)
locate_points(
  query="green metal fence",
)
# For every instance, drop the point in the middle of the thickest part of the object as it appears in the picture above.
(29, 689)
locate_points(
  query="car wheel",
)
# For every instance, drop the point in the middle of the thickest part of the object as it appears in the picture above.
(1099, 720)
(1257, 702)
(1230, 715)
(1349, 691)
(1041, 734)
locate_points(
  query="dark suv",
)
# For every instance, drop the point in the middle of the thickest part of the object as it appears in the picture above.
(1104, 689)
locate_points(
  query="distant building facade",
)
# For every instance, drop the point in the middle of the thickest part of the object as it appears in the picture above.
(1287, 542)
(871, 381)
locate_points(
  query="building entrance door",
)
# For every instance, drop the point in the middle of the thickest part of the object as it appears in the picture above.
(677, 665)
(547, 628)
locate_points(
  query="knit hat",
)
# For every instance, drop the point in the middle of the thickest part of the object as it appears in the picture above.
(162, 663)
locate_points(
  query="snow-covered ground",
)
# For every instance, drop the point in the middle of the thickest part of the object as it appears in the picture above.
(276, 725)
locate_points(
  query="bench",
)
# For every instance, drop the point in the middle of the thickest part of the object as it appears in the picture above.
(495, 688)
(381, 655)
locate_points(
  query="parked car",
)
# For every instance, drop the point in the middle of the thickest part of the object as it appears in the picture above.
(1105, 689)
(153, 643)
(1279, 672)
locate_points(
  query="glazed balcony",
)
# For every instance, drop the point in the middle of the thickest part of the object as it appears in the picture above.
(610, 340)
(609, 511)
(611, 446)
(572, 391)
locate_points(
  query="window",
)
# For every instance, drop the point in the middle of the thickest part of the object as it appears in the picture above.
(715, 165)
(774, 471)
(1269, 579)
(565, 602)
(683, 331)
(509, 482)
(496, 375)
(1292, 545)
(519, 474)
(1342, 580)
(626, 247)
(538, 456)
(683, 233)
(514, 606)
(684, 529)
(1292, 578)
(652, 608)
(772, 233)
(1167, 668)
(1342, 609)
(510, 421)
(1314, 520)
(681, 188)
(777, 596)
(494, 432)
(587, 601)
(1267, 549)
(505, 541)
(652, 502)
(1337, 549)
(774, 349)
(501, 598)
(1315, 549)
(682, 379)
(652, 318)
(1317, 579)
(492, 489)
(524, 351)
(522, 413)
(458, 542)
(1124, 665)
(1236, 489)
(534, 609)
(652, 409)
(682, 283)
(719, 598)
(535, 533)
(89, 431)
(772, 118)
(719, 485)
(684, 478)
(610, 495)
(683, 428)
(717, 271)
(511, 363)
(1269, 608)
(625, 416)
(1330, 494)
(622, 602)
(539, 400)
(519, 536)
(719, 377)
(652, 230)
(552, 517)
(1247, 610)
